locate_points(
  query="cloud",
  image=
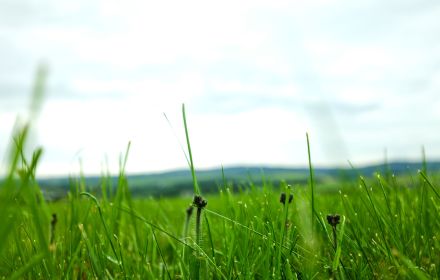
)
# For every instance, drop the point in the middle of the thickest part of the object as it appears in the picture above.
(255, 75)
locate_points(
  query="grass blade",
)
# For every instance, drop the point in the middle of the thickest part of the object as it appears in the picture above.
(193, 173)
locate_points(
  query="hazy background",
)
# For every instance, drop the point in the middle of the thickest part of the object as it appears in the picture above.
(359, 76)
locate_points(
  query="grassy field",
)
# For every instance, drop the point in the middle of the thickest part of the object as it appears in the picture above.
(375, 227)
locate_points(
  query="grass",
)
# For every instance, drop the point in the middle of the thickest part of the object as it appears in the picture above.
(388, 227)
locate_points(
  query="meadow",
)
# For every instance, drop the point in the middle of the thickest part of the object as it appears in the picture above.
(374, 227)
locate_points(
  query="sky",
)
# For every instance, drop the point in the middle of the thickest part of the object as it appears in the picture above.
(361, 77)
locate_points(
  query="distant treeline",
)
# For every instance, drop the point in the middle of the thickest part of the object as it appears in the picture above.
(179, 182)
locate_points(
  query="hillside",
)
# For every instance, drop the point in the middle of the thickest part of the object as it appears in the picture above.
(179, 182)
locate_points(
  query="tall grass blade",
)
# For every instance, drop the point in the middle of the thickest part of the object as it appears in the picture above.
(433, 188)
(311, 183)
(193, 173)
(339, 246)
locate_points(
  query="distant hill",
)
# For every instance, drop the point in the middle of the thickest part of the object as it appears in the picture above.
(179, 182)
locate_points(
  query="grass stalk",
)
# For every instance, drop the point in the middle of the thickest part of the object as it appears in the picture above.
(193, 172)
(312, 185)
(433, 188)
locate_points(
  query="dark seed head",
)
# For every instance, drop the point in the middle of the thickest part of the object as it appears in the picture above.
(199, 202)
(53, 223)
(54, 220)
(189, 211)
(333, 220)
(283, 198)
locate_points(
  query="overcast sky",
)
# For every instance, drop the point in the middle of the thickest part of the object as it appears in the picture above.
(361, 77)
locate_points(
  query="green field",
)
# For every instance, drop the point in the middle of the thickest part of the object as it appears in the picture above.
(388, 227)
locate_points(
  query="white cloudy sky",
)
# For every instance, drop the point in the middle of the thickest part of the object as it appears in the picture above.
(359, 76)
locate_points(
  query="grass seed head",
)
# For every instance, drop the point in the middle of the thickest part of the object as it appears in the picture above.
(53, 223)
(283, 198)
(333, 219)
(199, 202)
(189, 211)
(54, 220)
